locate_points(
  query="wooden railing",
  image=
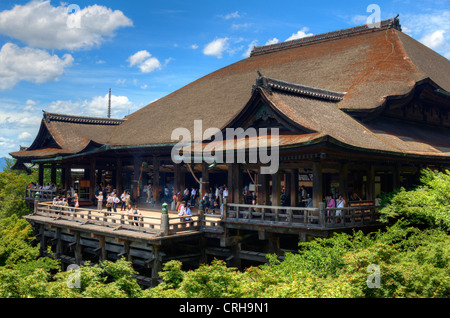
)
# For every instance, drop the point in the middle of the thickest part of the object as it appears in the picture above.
(44, 195)
(301, 216)
(118, 220)
(164, 224)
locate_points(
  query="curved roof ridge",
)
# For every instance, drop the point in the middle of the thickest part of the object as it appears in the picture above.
(271, 83)
(385, 24)
(82, 119)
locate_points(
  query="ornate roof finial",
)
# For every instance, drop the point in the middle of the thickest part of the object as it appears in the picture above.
(259, 73)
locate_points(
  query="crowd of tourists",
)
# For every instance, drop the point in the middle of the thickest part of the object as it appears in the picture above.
(37, 186)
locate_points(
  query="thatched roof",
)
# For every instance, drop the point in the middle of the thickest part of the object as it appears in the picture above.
(367, 65)
(319, 83)
(67, 134)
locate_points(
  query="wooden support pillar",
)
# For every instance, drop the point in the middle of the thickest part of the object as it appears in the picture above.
(236, 182)
(317, 184)
(78, 248)
(273, 246)
(92, 180)
(58, 251)
(63, 177)
(103, 254)
(276, 189)
(230, 183)
(177, 178)
(293, 187)
(156, 268)
(182, 178)
(126, 250)
(67, 176)
(53, 174)
(156, 165)
(263, 189)
(370, 183)
(41, 174)
(205, 179)
(343, 181)
(396, 180)
(119, 186)
(43, 245)
(136, 184)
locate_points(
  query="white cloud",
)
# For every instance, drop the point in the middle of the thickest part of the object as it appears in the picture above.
(434, 40)
(25, 136)
(65, 107)
(272, 41)
(98, 106)
(28, 64)
(232, 15)
(144, 61)
(300, 34)
(432, 29)
(6, 143)
(39, 24)
(216, 47)
(194, 46)
(359, 19)
(235, 26)
(20, 118)
(250, 48)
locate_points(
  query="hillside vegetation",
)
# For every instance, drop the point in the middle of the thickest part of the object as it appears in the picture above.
(409, 258)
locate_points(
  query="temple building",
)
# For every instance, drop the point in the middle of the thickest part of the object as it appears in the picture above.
(359, 110)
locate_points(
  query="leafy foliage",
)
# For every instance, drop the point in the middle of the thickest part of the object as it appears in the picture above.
(427, 206)
(412, 254)
(12, 190)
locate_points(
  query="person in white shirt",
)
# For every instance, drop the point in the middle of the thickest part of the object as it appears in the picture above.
(123, 198)
(99, 198)
(225, 196)
(193, 196)
(116, 201)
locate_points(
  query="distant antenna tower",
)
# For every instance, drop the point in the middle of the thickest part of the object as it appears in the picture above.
(109, 104)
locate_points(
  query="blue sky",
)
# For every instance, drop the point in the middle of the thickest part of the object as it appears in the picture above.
(143, 50)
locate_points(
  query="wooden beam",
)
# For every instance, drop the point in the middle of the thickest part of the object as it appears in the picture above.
(119, 186)
(205, 179)
(317, 184)
(343, 181)
(156, 165)
(293, 187)
(41, 174)
(92, 168)
(370, 183)
(263, 197)
(276, 188)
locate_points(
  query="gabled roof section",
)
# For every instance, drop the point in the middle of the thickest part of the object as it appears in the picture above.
(270, 84)
(52, 117)
(68, 134)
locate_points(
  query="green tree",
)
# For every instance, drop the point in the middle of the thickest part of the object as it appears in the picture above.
(427, 206)
(12, 191)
